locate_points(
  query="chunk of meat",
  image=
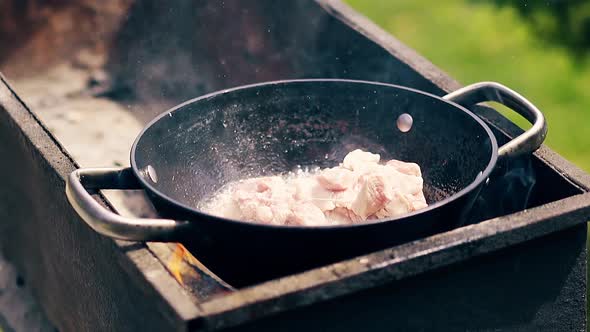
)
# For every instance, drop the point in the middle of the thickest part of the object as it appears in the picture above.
(281, 212)
(264, 200)
(336, 179)
(253, 210)
(307, 214)
(226, 207)
(309, 190)
(405, 168)
(338, 216)
(359, 189)
(408, 184)
(342, 216)
(345, 198)
(372, 197)
(417, 201)
(359, 160)
(398, 205)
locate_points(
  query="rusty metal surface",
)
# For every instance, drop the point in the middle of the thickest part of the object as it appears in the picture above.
(81, 279)
(128, 287)
(527, 287)
(409, 260)
(39, 34)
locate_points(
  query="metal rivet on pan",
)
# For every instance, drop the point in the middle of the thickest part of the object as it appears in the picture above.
(150, 173)
(404, 122)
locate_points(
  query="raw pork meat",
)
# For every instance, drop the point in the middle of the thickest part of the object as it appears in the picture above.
(359, 189)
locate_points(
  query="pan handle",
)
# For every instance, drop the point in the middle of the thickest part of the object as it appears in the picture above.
(528, 141)
(111, 224)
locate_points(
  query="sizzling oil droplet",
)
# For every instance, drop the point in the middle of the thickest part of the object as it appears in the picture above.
(404, 122)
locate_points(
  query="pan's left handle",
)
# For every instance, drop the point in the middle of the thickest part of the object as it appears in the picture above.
(111, 224)
(528, 141)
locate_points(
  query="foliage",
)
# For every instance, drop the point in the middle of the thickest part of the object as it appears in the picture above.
(563, 22)
(480, 41)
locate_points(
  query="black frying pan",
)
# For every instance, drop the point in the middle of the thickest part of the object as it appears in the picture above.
(193, 149)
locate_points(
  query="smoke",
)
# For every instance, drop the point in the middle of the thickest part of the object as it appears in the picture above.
(509, 189)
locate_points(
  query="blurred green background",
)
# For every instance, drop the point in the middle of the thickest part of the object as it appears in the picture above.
(538, 48)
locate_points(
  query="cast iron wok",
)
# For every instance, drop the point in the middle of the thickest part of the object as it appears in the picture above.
(191, 150)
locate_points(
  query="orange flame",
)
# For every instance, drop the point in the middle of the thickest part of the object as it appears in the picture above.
(188, 270)
(175, 263)
(182, 266)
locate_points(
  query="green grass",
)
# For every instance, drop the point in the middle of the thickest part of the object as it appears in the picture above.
(480, 42)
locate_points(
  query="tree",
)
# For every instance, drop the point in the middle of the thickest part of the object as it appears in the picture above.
(562, 22)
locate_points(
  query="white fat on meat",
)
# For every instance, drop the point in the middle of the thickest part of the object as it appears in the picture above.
(309, 190)
(307, 214)
(373, 195)
(359, 160)
(357, 190)
(405, 168)
(336, 179)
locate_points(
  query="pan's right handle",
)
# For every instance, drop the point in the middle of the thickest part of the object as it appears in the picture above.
(111, 224)
(527, 142)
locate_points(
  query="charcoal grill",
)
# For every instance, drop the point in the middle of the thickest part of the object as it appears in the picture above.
(519, 264)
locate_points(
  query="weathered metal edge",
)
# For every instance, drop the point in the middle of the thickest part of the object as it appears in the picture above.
(134, 261)
(393, 264)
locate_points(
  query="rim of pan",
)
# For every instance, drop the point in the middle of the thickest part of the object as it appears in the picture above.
(484, 174)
